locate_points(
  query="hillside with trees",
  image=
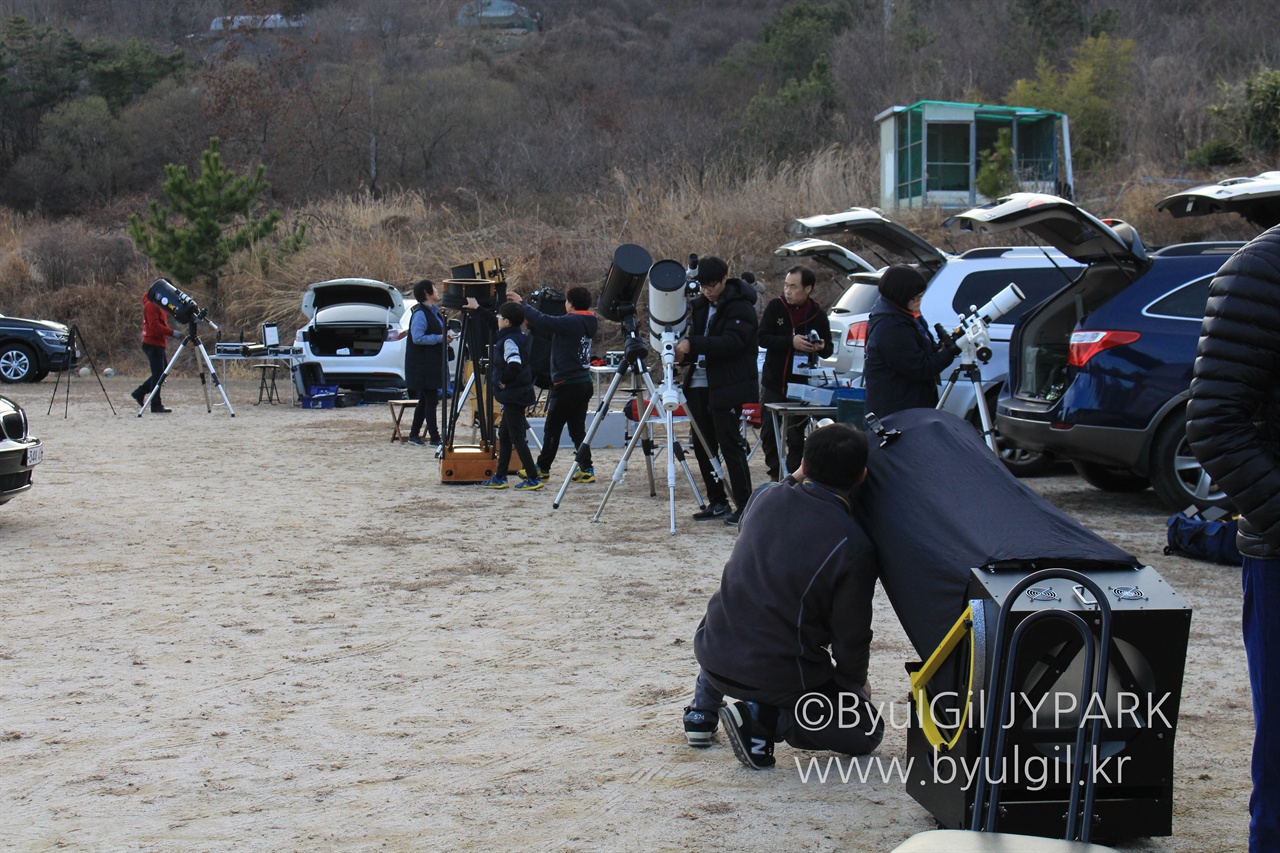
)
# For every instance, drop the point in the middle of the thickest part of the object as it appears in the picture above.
(405, 143)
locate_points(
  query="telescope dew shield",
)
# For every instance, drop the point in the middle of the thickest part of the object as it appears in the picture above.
(668, 307)
(626, 277)
(183, 308)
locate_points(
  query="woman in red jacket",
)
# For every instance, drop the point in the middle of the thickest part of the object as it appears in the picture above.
(156, 332)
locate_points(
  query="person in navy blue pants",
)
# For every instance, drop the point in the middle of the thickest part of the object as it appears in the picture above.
(1233, 425)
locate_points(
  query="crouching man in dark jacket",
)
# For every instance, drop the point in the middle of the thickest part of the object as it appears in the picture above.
(1233, 424)
(800, 578)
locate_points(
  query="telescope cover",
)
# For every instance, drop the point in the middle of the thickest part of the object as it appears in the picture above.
(937, 503)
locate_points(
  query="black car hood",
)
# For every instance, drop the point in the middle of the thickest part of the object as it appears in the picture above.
(20, 323)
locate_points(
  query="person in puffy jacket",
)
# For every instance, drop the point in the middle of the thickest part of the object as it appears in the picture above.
(1233, 425)
(721, 349)
(903, 359)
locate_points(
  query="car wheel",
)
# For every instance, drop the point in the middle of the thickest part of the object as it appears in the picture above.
(1176, 475)
(1020, 462)
(17, 363)
(1109, 478)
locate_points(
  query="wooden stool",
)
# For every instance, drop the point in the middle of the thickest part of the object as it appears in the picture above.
(268, 386)
(397, 412)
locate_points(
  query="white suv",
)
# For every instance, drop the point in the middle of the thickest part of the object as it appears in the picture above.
(957, 283)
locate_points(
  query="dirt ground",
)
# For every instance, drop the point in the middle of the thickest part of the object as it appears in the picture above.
(280, 631)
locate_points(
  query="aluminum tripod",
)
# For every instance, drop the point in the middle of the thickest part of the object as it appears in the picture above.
(193, 337)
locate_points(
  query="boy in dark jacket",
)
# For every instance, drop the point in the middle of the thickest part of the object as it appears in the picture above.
(512, 378)
(721, 349)
(1233, 425)
(571, 383)
(784, 333)
(800, 579)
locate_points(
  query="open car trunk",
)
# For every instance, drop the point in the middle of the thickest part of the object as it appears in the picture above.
(352, 339)
(1115, 257)
(1042, 339)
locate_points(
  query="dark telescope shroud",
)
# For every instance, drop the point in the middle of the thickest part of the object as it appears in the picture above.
(938, 503)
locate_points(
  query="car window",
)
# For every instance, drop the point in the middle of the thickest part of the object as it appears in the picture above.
(857, 299)
(1183, 303)
(1036, 284)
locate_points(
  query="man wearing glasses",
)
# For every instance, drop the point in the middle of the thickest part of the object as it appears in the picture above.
(720, 350)
(786, 332)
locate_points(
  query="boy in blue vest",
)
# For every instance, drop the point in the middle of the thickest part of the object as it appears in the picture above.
(512, 380)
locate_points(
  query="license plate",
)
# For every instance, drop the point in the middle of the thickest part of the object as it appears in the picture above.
(35, 455)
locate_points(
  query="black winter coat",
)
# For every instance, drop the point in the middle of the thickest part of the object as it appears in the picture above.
(800, 579)
(776, 333)
(729, 345)
(1233, 417)
(424, 364)
(903, 363)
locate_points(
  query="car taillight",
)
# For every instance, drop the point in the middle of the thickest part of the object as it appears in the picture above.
(857, 334)
(1086, 344)
(396, 334)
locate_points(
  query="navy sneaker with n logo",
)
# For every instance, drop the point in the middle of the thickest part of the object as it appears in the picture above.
(751, 739)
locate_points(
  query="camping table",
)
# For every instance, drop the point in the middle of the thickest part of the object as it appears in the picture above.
(783, 415)
(282, 359)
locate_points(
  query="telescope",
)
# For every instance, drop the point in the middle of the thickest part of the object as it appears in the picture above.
(623, 283)
(183, 308)
(973, 335)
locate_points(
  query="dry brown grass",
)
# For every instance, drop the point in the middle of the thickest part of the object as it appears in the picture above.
(401, 237)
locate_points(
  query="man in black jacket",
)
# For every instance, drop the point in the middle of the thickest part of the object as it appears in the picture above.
(1233, 424)
(785, 329)
(571, 384)
(800, 579)
(721, 350)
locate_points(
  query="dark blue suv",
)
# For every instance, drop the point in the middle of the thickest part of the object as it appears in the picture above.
(1098, 372)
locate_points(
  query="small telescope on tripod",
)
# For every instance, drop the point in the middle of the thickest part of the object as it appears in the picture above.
(973, 336)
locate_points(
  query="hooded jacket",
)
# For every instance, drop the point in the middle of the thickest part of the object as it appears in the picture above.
(571, 336)
(1233, 416)
(729, 344)
(902, 365)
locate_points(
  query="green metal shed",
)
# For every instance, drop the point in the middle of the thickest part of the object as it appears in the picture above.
(930, 152)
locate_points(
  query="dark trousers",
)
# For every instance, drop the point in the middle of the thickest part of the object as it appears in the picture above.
(157, 362)
(513, 431)
(769, 440)
(566, 406)
(825, 717)
(722, 428)
(428, 400)
(1261, 623)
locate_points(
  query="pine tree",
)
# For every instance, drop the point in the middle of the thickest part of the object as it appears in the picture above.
(205, 221)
